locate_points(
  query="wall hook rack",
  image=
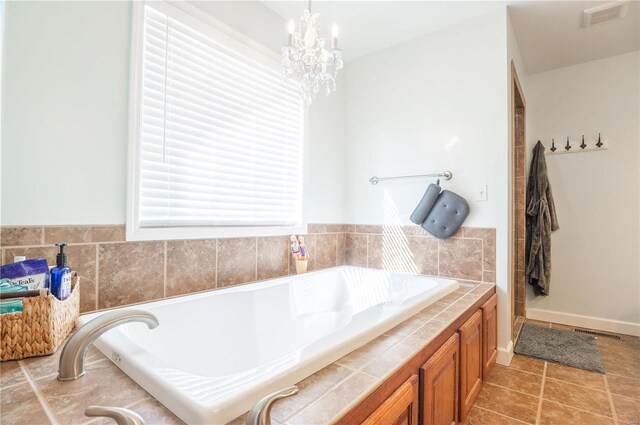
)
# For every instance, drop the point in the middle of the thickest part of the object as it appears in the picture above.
(585, 146)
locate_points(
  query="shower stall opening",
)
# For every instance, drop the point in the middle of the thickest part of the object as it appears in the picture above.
(518, 289)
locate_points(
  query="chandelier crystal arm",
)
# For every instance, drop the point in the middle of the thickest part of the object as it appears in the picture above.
(306, 60)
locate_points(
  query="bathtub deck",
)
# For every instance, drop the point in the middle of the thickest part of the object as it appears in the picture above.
(31, 393)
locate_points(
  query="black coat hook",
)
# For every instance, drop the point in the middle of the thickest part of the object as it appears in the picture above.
(568, 146)
(599, 144)
(583, 144)
(553, 145)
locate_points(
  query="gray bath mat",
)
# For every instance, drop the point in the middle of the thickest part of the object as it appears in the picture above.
(560, 346)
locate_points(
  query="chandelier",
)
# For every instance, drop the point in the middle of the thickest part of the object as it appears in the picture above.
(306, 60)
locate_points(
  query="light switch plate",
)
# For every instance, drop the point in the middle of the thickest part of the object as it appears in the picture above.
(481, 193)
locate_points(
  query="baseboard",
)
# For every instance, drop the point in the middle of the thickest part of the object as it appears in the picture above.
(597, 323)
(505, 354)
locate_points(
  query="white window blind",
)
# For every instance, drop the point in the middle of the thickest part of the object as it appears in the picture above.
(221, 134)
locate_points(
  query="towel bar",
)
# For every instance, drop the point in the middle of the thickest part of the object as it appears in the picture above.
(445, 174)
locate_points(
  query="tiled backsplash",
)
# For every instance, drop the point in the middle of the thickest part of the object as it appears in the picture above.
(115, 273)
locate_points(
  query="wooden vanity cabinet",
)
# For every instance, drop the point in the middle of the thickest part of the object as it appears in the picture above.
(451, 367)
(439, 391)
(489, 334)
(399, 409)
(471, 364)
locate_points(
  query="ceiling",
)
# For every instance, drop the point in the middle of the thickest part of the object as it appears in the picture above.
(369, 26)
(549, 34)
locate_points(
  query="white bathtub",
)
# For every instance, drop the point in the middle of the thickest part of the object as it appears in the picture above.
(216, 354)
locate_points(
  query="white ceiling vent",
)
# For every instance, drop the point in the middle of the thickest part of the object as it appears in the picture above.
(606, 12)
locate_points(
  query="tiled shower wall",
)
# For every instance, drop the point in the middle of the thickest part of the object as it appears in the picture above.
(115, 273)
(519, 216)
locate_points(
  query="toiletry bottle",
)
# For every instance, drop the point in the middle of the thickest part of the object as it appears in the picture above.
(60, 282)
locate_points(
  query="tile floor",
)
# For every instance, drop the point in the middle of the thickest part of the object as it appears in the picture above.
(535, 392)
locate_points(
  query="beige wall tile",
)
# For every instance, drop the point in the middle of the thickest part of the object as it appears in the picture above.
(356, 252)
(335, 228)
(82, 258)
(84, 234)
(461, 258)
(488, 277)
(236, 261)
(14, 236)
(341, 253)
(476, 232)
(326, 251)
(425, 254)
(130, 273)
(414, 230)
(368, 228)
(519, 165)
(191, 266)
(316, 228)
(489, 252)
(375, 251)
(273, 256)
(520, 193)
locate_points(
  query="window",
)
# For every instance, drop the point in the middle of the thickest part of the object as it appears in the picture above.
(216, 134)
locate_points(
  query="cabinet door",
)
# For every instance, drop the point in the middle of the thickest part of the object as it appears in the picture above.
(399, 409)
(489, 334)
(470, 362)
(439, 388)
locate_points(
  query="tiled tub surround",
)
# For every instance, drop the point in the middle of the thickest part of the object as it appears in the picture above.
(116, 273)
(32, 395)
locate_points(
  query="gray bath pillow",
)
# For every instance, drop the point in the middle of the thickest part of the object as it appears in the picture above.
(447, 215)
(426, 203)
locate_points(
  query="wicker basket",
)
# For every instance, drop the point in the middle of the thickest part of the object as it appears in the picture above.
(41, 327)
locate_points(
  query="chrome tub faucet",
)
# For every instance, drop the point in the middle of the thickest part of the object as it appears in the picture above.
(75, 350)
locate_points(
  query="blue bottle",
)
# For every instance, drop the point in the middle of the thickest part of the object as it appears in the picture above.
(60, 282)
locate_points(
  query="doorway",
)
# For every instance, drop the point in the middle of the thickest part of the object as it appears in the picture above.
(518, 122)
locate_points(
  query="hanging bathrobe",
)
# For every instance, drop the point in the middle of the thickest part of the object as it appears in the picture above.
(541, 221)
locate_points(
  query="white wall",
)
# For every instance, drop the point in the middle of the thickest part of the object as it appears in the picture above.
(432, 104)
(64, 121)
(65, 98)
(596, 251)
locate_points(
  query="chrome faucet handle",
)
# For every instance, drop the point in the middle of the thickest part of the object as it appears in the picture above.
(261, 412)
(75, 350)
(121, 415)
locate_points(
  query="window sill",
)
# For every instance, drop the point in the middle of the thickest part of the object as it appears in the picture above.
(172, 233)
